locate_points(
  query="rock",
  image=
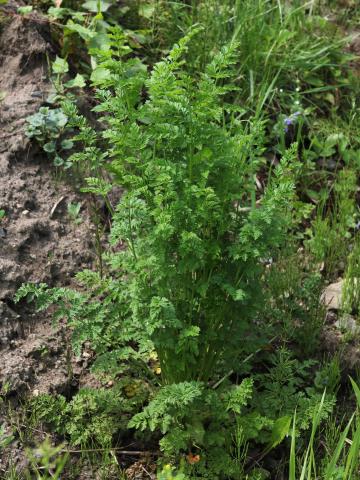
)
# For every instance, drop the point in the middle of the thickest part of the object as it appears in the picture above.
(331, 296)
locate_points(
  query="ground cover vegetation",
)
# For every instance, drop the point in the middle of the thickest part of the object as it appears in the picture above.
(231, 130)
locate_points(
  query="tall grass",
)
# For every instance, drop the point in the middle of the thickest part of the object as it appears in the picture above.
(282, 45)
(342, 463)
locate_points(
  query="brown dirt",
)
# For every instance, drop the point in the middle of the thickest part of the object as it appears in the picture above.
(36, 244)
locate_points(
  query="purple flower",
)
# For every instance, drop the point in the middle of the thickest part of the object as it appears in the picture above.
(290, 120)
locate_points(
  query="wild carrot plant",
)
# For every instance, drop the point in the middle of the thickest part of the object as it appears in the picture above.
(190, 237)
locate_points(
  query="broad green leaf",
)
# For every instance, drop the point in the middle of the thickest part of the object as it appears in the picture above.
(58, 161)
(99, 75)
(57, 12)
(77, 82)
(49, 147)
(99, 41)
(60, 65)
(147, 10)
(96, 6)
(67, 144)
(85, 33)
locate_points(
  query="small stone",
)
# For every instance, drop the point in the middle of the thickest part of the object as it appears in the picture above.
(25, 213)
(36, 392)
(41, 367)
(331, 296)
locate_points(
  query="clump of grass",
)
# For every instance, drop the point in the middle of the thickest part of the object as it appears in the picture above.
(342, 462)
(281, 46)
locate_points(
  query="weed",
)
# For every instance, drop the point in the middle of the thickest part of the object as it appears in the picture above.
(169, 473)
(341, 463)
(351, 288)
(294, 292)
(47, 461)
(47, 126)
(73, 210)
(328, 232)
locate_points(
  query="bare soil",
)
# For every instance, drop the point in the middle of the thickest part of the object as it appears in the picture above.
(38, 243)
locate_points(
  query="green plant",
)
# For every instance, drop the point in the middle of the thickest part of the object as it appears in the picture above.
(294, 289)
(282, 46)
(73, 210)
(329, 375)
(169, 473)
(92, 417)
(5, 437)
(335, 220)
(47, 126)
(25, 9)
(50, 125)
(286, 387)
(342, 462)
(189, 282)
(47, 462)
(351, 287)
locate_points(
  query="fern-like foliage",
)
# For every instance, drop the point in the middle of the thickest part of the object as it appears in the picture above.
(195, 236)
(193, 233)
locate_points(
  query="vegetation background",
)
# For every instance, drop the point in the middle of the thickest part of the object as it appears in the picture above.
(215, 145)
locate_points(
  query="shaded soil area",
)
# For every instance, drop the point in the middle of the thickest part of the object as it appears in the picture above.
(38, 240)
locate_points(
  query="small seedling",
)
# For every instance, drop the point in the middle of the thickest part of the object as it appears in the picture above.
(2, 214)
(25, 9)
(46, 125)
(73, 211)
